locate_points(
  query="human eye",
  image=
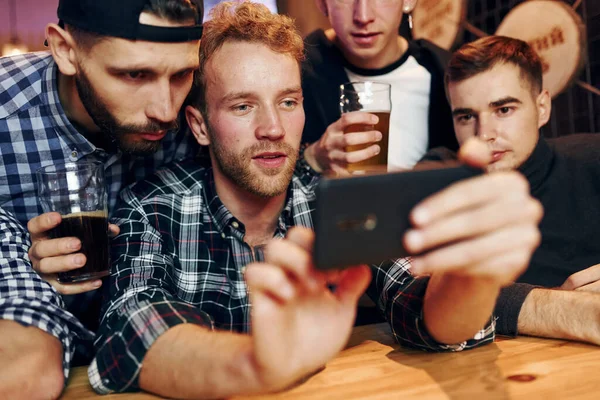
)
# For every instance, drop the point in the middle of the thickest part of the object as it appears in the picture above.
(465, 118)
(289, 104)
(241, 108)
(135, 76)
(505, 111)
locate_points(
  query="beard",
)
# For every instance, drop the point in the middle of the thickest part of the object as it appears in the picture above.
(108, 124)
(267, 183)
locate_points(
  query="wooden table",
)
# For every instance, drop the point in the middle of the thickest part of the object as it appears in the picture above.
(374, 367)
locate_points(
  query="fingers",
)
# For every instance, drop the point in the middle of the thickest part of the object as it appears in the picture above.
(270, 280)
(354, 118)
(352, 284)
(343, 158)
(68, 289)
(303, 237)
(582, 278)
(113, 230)
(294, 260)
(478, 221)
(475, 153)
(54, 265)
(330, 151)
(42, 251)
(359, 138)
(469, 193)
(40, 225)
(475, 256)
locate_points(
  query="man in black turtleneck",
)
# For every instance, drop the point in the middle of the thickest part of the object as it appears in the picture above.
(495, 89)
(364, 45)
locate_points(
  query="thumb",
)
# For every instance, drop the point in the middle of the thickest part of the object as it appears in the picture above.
(353, 284)
(302, 236)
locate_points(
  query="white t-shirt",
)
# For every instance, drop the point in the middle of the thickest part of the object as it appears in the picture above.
(409, 120)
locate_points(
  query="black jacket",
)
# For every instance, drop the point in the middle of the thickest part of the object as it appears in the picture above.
(323, 73)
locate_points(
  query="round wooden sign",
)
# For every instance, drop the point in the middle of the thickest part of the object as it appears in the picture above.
(439, 21)
(556, 33)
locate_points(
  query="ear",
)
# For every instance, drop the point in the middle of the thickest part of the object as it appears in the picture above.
(62, 46)
(408, 6)
(322, 6)
(544, 105)
(197, 125)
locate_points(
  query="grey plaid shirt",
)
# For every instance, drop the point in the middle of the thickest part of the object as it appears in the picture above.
(26, 299)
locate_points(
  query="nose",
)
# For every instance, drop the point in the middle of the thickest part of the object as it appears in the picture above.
(486, 128)
(363, 12)
(162, 107)
(269, 125)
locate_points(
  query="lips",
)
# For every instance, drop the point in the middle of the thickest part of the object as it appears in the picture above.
(270, 155)
(497, 155)
(270, 159)
(365, 38)
(153, 136)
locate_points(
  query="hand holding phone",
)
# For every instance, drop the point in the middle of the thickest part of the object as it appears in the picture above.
(362, 219)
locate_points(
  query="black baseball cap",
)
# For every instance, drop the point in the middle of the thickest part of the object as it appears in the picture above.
(120, 18)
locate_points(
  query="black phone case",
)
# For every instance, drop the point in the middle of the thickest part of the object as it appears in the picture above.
(361, 220)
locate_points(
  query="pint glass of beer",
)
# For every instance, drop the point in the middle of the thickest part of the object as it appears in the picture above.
(375, 98)
(77, 191)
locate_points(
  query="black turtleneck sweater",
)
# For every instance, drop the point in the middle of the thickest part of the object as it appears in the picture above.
(564, 174)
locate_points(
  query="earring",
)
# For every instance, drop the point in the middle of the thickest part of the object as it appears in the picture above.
(410, 21)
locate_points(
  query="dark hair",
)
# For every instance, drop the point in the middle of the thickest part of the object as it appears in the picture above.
(485, 53)
(177, 11)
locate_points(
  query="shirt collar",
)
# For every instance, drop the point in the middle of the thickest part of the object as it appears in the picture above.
(220, 215)
(223, 218)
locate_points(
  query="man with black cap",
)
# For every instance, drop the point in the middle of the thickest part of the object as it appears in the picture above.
(109, 90)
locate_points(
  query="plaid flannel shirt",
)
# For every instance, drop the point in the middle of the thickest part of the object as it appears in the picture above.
(179, 259)
(26, 299)
(35, 132)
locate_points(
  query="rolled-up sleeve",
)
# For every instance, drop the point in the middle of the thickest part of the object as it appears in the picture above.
(142, 306)
(399, 296)
(25, 298)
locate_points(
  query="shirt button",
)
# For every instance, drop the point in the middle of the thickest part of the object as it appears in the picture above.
(235, 225)
(73, 154)
(223, 235)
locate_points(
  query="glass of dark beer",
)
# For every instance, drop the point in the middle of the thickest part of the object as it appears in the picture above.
(77, 191)
(375, 98)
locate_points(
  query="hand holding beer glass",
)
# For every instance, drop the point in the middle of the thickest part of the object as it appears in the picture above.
(77, 191)
(375, 98)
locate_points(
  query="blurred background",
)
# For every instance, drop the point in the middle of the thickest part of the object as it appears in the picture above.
(450, 22)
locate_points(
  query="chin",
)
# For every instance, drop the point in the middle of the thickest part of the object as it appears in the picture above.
(500, 166)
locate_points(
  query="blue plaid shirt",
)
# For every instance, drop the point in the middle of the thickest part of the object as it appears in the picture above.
(26, 299)
(35, 132)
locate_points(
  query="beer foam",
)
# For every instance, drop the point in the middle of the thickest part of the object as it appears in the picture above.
(94, 214)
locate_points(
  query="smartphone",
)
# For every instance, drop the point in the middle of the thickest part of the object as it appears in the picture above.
(362, 219)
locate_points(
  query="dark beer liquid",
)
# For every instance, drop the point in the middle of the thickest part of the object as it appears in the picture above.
(379, 161)
(91, 229)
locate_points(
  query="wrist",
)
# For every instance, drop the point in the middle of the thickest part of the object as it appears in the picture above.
(310, 158)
